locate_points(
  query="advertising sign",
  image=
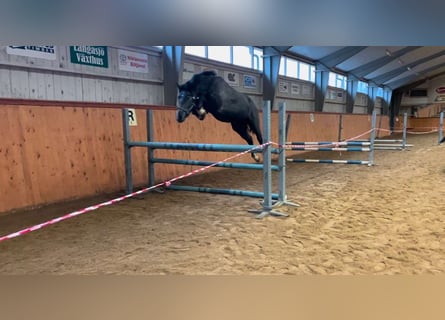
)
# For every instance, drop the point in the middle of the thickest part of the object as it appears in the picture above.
(96, 56)
(42, 52)
(133, 61)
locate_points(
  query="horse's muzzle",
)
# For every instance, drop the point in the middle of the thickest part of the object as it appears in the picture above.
(180, 116)
(201, 114)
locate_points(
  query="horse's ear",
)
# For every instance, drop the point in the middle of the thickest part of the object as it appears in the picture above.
(179, 86)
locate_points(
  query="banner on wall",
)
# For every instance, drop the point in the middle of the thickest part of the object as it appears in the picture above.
(440, 94)
(96, 56)
(42, 52)
(231, 78)
(250, 82)
(132, 61)
(295, 89)
(283, 87)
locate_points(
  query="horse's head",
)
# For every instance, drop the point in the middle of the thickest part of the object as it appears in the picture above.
(188, 102)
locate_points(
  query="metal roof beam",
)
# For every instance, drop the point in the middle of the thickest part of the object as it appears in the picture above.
(351, 90)
(399, 83)
(369, 67)
(271, 67)
(173, 65)
(393, 73)
(281, 49)
(337, 57)
(321, 86)
(387, 94)
(372, 98)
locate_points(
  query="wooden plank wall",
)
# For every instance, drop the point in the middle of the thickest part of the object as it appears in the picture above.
(354, 125)
(48, 154)
(431, 111)
(55, 153)
(422, 124)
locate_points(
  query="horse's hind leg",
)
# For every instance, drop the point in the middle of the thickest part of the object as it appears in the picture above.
(255, 128)
(242, 129)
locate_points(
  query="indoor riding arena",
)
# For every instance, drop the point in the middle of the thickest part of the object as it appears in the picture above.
(69, 177)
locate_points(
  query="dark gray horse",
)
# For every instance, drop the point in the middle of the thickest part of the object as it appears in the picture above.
(206, 92)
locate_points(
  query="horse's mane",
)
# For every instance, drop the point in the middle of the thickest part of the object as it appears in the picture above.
(209, 73)
(199, 78)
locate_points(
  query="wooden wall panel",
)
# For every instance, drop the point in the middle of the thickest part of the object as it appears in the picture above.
(431, 110)
(417, 124)
(324, 127)
(52, 153)
(355, 125)
(423, 124)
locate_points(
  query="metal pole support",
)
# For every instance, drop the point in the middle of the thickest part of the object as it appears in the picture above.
(127, 152)
(372, 138)
(282, 137)
(267, 172)
(405, 126)
(441, 127)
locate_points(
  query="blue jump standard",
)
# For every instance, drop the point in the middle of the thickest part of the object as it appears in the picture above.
(235, 165)
(232, 192)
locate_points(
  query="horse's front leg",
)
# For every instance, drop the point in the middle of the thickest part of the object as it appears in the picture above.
(241, 129)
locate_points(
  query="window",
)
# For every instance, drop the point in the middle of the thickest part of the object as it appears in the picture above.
(304, 71)
(257, 58)
(312, 73)
(379, 92)
(199, 51)
(362, 87)
(219, 53)
(244, 56)
(337, 80)
(296, 69)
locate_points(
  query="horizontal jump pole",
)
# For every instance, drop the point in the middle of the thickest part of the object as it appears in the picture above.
(329, 161)
(340, 143)
(388, 148)
(382, 140)
(391, 145)
(198, 146)
(232, 192)
(235, 165)
(330, 149)
(388, 140)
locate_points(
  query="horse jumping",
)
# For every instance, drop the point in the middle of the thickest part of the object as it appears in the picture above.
(206, 92)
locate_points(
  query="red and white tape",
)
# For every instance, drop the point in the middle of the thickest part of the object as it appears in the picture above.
(119, 199)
